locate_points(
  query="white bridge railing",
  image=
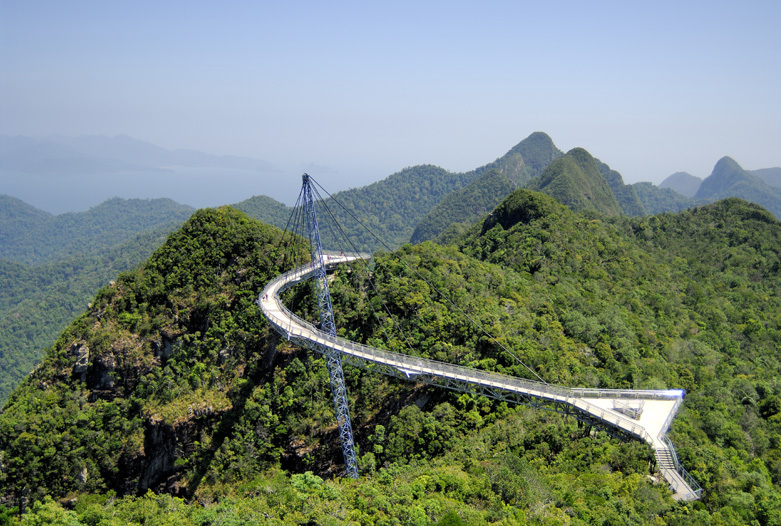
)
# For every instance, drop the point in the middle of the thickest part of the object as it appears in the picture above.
(491, 384)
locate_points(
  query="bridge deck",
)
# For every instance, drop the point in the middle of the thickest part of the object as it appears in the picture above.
(593, 405)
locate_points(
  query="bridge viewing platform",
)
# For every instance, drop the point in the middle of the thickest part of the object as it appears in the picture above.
(643, 415)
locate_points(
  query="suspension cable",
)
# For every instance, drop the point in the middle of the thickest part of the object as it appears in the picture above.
(355, 252)
(467, 316)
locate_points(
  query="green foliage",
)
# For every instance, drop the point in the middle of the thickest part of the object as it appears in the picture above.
(187, 393)
(627, 197)
(51, 266)
(465, 205)
(37, 302)
(266, 209)
(175, 341)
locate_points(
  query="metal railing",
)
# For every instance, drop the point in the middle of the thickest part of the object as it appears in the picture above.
(293, 326)
(692, 484)
(297, 329)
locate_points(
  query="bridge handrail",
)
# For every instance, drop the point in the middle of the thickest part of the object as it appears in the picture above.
(413, 365)
(294, 326)
(696, 489)
(302, 273)
(669, 420)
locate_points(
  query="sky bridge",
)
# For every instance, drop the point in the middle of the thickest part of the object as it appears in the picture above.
(643, 415)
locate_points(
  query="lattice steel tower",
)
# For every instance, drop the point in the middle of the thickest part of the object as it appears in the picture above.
(332, 357)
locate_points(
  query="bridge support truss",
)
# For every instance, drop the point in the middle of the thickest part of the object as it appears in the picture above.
(332, 357)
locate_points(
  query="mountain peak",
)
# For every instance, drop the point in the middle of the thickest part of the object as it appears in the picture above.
(576, 181)
(527, 159)
(729, 179)
(682, 182)
(727, 173)
(726, 163)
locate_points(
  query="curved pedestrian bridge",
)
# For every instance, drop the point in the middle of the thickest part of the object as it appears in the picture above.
(638, 414)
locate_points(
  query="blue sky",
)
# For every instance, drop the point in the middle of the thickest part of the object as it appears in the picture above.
(354, 91)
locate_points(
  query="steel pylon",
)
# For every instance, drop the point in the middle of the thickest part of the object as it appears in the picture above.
(332, 357)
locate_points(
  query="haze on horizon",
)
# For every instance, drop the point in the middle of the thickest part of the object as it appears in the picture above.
(356, 91)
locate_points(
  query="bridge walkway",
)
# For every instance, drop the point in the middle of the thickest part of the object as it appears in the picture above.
(653, 410)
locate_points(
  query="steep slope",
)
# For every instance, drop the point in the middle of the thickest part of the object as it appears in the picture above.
(161, 355)
(729, 179)
(626, 195)
(464, 206)
(51, 266)
(527, 159)
(682, 182)
(38, 301)
(524, 162)
(576, 181)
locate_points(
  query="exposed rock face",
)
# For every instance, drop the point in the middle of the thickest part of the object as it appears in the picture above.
(81, 350)
(166, 345)
(105, 366)
(83, 476)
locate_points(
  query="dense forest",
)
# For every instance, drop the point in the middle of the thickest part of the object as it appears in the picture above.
(51, 266)
(170, 401)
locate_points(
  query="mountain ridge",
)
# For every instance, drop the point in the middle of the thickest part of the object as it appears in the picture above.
(729, 179)
(577, 181)
(490, 184)
(171, 381)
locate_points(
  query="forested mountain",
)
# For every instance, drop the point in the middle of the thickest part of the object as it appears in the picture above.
(172, 380)
(462, 207)
(67, 257)
(524, 162)
(266, 209)
(51, 266)
(30, 236)
(576, 181)
(389, 208)
(728, 179)
(657, 200)
(418, 203)
(38, 301)
(682, 182)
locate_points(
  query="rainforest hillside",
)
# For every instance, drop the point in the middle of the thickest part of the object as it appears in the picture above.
(52, 265)
(415, 204)
(170, 399)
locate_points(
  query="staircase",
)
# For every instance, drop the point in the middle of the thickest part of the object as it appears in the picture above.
(683, 486)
